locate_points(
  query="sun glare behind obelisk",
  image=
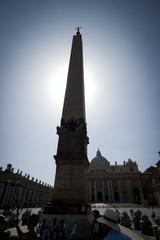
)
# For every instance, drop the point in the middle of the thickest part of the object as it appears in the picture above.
(56, 81)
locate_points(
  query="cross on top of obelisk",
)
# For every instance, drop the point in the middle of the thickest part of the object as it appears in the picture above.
(78, 28)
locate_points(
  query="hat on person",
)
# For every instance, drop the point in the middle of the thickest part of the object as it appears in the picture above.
(110, 218)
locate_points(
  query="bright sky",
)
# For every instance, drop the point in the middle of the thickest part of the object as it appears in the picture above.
(121, 43)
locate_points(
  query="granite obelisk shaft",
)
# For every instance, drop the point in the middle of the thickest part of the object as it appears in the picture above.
(71, 158)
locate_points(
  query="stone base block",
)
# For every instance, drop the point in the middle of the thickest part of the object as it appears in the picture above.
(78, 226)
(59, 207)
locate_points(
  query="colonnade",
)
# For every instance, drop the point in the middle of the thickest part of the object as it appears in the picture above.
(20, 195)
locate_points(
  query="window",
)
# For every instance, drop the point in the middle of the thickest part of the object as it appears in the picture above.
(116, 196)
(99, 196)
(93, 199)
(106, 197)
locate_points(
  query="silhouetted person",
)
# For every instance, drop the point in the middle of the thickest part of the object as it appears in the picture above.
(31, 234)
(52, 229)
(118, 214)
(44, 230)
(25, 217)
(109, 226)
(153, 215)
(61, 230)
(3, 234)
(95, 228)
(125, 220)
(136, 219)
(146, 226)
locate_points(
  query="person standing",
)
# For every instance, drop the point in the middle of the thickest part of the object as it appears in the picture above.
(52, 229)
(95, 228)
(109, 226)
(31, 234)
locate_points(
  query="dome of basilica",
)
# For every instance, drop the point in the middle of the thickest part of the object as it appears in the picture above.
(99, 162)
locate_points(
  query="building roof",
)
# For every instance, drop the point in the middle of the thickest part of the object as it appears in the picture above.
(150, 169)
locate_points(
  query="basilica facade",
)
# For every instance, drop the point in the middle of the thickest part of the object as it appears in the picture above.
(114, 183)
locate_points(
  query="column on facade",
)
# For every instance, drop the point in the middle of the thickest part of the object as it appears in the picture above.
(37, 197)
(95, 190)
(43, 194)
(153, 197)
(16, 201)
(109, 190)
(40, 198)
(124, 190)
(2, 192)
(129, 190)
(2, 186)
(50, 195)
(20, 195)
(24, 192)
(10, 194)
(103, 190)
(27, 197)
(158, 196)
(140, 191)
(46, 197)
(4, 196)
(120, 190)
(89, 190)
(34, 197)
(31, 197)
(14, 194)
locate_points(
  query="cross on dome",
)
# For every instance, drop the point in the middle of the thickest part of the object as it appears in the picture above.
(98, 153)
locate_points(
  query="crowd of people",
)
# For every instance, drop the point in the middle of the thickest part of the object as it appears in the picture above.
(103, 227)
(113, 219)
(55, 230)
(140, 221)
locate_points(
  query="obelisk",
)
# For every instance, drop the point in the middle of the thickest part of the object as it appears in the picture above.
(71, 159)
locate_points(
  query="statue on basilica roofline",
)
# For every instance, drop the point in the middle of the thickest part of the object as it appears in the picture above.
(9, 167)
